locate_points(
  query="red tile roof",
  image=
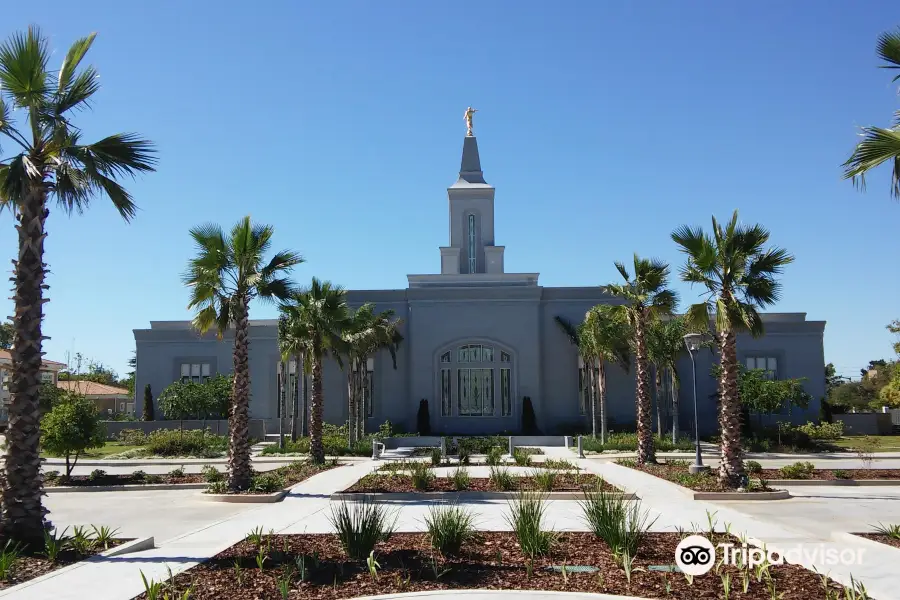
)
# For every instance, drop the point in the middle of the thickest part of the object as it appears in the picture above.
(89, 388)
(5, 355)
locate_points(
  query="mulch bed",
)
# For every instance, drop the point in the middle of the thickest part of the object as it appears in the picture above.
(106, 480)
(30, 565)
(829, 474)
(881, 537)
(492, 561)
(377, 483)
(291, 474)
(677, 472)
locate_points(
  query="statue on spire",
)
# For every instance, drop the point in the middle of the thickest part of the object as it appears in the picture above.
(470, 112)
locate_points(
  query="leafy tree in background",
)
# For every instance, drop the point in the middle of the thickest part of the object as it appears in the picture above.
(148, 403)
(227, 273)
(72, 427)
(6, 335)
(646, 300)
(50, 162)
(740, 277)
(879, 145)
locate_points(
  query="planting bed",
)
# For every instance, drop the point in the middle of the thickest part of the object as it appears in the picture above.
(376, 483)
(493, 560)
(275, 480)
(677, 472)
(113, 480)
(31, 564)
(835, 475)
(882, 538)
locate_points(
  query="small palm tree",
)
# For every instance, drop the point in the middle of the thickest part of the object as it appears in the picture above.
(879, 145)
(311, 324)
(646, 300)
(739, 275)
(50, 162)
(666, 345)
(366, 333)
(227, 273)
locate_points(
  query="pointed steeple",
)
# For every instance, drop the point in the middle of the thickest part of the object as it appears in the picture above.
(470, 167)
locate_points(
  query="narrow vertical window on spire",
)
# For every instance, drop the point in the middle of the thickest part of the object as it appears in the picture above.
(471, 243)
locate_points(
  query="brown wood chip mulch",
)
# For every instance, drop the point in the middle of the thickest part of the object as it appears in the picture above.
(386, 483)
(831, 474)
(106, 480)
(491, 561)
(881, 537)
(33, 564)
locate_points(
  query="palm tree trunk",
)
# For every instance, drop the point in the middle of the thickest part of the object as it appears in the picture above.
(295, 398)
(731, 465)
(601, 392)
(351, 405)
(646, 452)
(282, 402)
(660, 421)
(674, 406)
(592, 399)
(316, 449)
(362, 408)
(238, 423)
(22, 510)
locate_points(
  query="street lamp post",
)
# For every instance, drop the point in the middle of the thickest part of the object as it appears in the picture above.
(692, 343)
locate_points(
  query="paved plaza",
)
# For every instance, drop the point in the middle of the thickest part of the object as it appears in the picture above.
(189, 529)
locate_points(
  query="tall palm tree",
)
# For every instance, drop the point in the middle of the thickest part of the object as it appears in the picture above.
(227, 273)
(50, 162)
(311, 324)
(879, 145)
(646, 300)
(739, 275)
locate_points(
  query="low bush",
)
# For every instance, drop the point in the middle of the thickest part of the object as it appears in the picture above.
(460, 479)
(193, 442)
(798, 470)
(502, 480)
(177, 472)
(544, 479)
(132, 437)
(559, 464)
(153, 478)
(449, 527)
(138, 476)
(618, 522)
(435, 456)
(494, 456)
(841, 474)
(526, 514)
(267, 483)
(753, 467)
(51, 475)
(823, 431)
(96, 474)
(482, 444)
(422, 476)
(522, 458)
(625, 442)
(211, 474)
(217, 487)
(359, 526)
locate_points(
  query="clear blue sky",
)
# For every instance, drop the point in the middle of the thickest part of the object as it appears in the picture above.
(603, 125)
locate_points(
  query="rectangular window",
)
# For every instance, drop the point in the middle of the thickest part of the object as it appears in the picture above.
(769, 364)
(46, 377)
(472, 265)
(476, 392)
(505, 394)
(445, 393)
(195, 372)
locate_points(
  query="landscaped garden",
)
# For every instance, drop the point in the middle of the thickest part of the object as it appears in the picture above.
(271, 481)
(885, 534)
(364, 557)
(806, 471)
(677, 471)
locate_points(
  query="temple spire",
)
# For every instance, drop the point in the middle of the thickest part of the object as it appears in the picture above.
(470, 166)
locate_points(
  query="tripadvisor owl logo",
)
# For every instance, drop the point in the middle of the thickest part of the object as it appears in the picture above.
(695, 555)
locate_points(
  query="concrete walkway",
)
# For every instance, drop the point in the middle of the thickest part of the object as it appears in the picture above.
(673, 508)
(119, 578)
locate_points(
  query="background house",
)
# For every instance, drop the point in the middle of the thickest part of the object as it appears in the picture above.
(110, 400)
(49, 374)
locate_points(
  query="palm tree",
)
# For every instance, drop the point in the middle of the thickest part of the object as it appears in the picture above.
(51, 162)
(311, 325)
(739, 275)
(879, 145)
(227, 273)
(666, 346)
(365, 334)
(646, 300)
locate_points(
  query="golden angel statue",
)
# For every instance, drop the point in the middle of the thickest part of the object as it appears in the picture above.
(470, 112)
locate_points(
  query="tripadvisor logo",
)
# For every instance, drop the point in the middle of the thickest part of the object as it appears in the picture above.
(695, 555)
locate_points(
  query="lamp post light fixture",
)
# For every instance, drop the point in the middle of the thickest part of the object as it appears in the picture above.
(692, 342)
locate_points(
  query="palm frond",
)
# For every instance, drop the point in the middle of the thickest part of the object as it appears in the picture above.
(568, 328)
(888, 49)
(698, 316)
(23, 69)
(877, 146)
(78, 93)
(620, 267)
(118, 155)
(73, 58)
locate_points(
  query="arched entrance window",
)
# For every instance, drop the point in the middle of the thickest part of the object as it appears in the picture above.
(476, 380)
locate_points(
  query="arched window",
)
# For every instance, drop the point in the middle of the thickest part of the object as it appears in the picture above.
(473, 379)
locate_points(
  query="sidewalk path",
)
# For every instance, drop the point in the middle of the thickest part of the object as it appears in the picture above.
(674, 508)
(118, 578)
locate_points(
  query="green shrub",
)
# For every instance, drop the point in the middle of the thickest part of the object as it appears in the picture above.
(176, 442)
(559, 464)
(211, 474)
(132, 437)
(153, 479)
(435, 456)
(502, 480)
(823, 431)
(618, 522)
(177, 473)
(70, 428)
(138, 476)
(422, 476)
(753, 467)
(9, 558)
(523, 459)
(96, 474)
(625, 442)
(51, 475)
(544, 479)
(841, 474)
(482, 444)
(449, 527)
(526, 513)
(464, 454)
(494, 456)
(461, 479)
(267, 483)
(217, 487)
(798, 470)
(891, 531)
(360, 526)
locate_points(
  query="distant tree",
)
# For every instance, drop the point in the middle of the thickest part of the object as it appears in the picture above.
(765, 396)
(192, 400)
(850, 395)
(6, 335)
(894, 327)
(49, 397)
(72, 427)
(148, 403)
(879, 145)
(889, 394)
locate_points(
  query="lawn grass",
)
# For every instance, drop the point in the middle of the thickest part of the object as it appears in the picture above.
(881, 443)
(107, 449)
